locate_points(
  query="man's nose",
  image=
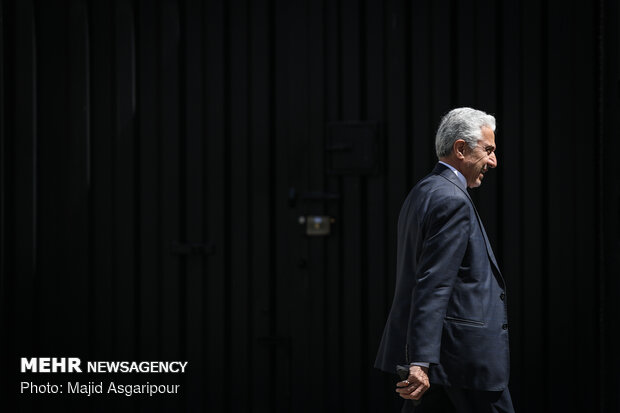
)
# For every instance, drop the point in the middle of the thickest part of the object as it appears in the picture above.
(492, 160)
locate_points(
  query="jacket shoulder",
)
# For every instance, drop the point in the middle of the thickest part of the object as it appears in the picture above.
(433, 197)
(438, 189)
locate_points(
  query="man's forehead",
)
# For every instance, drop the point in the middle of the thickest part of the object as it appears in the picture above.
(488, 137)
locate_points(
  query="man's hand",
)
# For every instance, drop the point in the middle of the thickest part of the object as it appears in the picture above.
(416, 384)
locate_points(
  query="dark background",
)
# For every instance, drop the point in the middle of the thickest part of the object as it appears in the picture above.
(157, 155)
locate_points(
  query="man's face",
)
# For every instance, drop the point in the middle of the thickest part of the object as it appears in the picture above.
(478, 160)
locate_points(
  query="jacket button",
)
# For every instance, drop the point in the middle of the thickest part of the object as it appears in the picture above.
(502, 296)
(505, 326)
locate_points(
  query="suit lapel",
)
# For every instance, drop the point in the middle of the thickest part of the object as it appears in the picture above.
(447, 173)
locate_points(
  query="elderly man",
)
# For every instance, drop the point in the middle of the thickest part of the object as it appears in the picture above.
(448, 321)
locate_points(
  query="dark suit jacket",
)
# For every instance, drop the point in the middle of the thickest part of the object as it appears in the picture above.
(449, 306)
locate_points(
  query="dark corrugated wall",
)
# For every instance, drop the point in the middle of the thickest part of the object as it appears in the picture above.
(157, 157)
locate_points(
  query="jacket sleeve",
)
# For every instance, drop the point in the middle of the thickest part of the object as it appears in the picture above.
(445, 231)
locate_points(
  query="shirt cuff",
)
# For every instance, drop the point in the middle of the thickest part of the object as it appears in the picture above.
(420, 363)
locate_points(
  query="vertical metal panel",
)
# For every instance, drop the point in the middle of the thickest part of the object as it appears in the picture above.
(332, 259)
(217, 321)
(609, 203)
(467, 54)
(79, 179)
(19, 185)
(169, 119)
(148, 193)
(101, 230)
(315, 350)
(584, 195)
(532, 303)
(149, 242)
(422, 154)
(510, 140)
(124, 182)
(485, 57)
(5, 347)
(396, 114)
(133, 130)
(193, 228)
(54, 275)
(375, 259)
(261, 217)
(23, 203)
(351, 218)
(561, 218)
(296, 282)
(441, 60)
(173, 280)
(285, 273)
(239, 200)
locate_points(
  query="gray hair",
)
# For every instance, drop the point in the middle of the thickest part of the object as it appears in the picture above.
(461, 123)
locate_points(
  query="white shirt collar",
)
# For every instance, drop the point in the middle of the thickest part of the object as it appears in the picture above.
(458, 174)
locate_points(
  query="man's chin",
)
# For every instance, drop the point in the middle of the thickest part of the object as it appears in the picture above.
(479, 180)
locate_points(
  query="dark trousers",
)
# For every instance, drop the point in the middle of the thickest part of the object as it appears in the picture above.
(440, 399)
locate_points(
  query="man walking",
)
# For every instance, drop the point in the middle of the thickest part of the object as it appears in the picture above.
(448, 321)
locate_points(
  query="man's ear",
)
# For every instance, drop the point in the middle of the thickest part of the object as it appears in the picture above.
(459, 148)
